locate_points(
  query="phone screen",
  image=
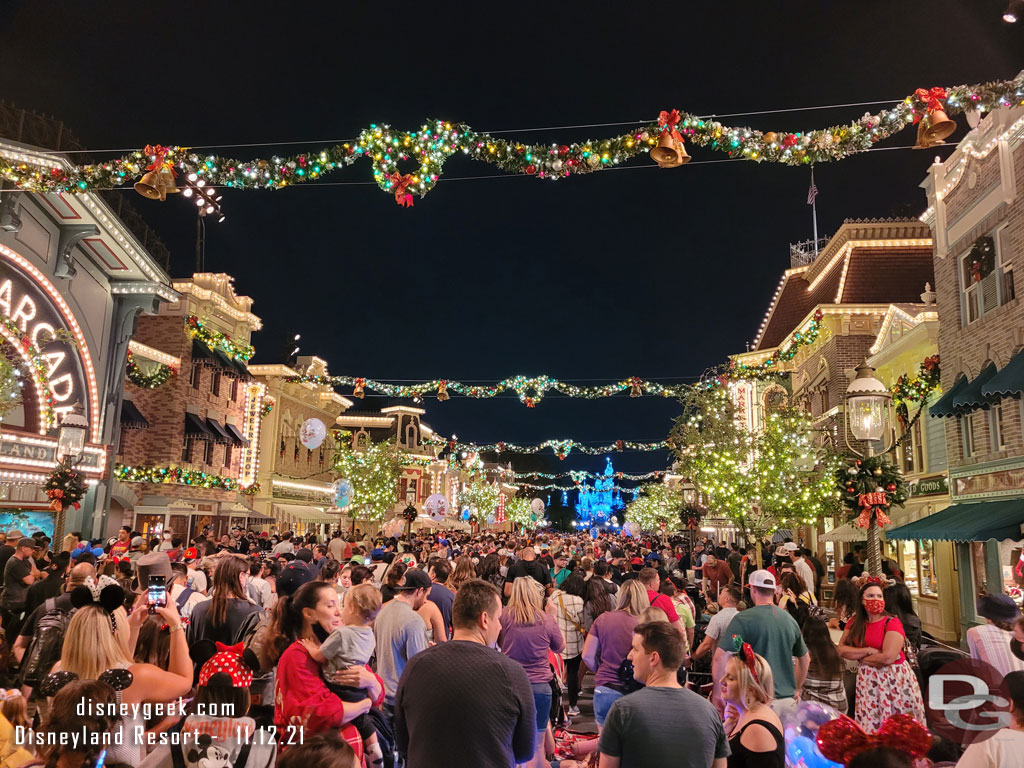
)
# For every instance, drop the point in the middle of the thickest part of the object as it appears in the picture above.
(366, 561)
(157, 592)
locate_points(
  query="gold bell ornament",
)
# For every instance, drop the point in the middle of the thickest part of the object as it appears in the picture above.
(933, 129)
(167, 177)
(151, 186)
(670, 151)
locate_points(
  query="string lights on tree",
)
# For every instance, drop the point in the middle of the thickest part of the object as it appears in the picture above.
(373, 473)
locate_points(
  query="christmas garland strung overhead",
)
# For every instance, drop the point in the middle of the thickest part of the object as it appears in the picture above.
(580, 476)
(768, 369)
(530, 389)
(578, 486)
(155, 378)
(562, 448)
(437, 140)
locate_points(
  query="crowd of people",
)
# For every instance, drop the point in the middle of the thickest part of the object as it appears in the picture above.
(457, 650)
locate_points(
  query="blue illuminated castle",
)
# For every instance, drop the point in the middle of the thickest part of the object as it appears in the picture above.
(596, 505)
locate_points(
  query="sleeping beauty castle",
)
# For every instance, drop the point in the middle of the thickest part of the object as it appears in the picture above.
(596, 505)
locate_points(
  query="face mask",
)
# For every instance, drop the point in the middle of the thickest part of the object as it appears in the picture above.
(874, 605)
(167, 537)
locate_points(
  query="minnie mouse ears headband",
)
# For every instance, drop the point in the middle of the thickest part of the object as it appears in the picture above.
(746, 654)
(843, 739)
(118, 679)
(224, 665)
(104, 592)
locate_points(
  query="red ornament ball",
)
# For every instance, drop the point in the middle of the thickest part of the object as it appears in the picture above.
(858, 462)
(563, 150)
(890, 487)
(850, 489)
(531, 169)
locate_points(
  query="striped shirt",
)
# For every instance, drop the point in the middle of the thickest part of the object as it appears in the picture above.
(991, 644)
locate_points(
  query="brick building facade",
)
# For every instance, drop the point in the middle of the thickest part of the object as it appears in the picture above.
(190, 429)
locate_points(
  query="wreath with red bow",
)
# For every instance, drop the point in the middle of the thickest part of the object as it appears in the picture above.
(65, 487)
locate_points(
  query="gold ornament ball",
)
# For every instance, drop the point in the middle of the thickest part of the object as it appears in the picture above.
(770, 137)
(878, 472)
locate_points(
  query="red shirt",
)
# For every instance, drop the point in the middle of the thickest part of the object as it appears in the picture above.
(874, 633)
(301, 699)
(120, 548)
(664, 602)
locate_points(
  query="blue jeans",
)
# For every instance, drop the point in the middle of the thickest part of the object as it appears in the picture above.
(604, 697)
(542, 701)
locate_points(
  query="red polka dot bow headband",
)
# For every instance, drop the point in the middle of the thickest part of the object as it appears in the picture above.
(228, 661)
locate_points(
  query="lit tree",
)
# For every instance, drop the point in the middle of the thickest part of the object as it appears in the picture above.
(373, 473)
(517, 510)
(656, 508)
(481, 497)
(761, 481)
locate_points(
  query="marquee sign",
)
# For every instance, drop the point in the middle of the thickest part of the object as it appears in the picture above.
(34, 305)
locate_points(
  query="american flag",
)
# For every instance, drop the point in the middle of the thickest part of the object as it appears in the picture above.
(812, 193)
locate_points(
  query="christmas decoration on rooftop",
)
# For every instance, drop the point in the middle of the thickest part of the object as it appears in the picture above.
(769, 368)
(216, 340)
(176, 475)
(437, 140)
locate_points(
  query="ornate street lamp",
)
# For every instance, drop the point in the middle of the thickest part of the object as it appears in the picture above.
(689, 501)
(71, 435)
(869, 417)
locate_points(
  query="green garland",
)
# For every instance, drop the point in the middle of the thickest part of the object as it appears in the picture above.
(39, 364)
(871, 483)
(909, 390)
(217, 340)
(768, 368)
(176, 475)
(139, 378)
(562, 448)
(438, 140)
(251, 490)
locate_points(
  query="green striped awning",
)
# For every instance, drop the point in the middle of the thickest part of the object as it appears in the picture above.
(998, 519)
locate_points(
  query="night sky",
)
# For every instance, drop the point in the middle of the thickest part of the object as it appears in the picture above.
(636, 271)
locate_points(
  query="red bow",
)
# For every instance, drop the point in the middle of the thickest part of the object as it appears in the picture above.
(843, 739)
(931, 98)
(160, 153)
(930, 363)
(873, 502)
(237, 648)
(668, 122)
(401, 183)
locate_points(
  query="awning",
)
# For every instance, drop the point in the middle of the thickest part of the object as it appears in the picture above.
(131, 417)
(220, 434)
(974, 521)
(225, 362)
(1009, 381)
(242, 368)
(846, 532)
(203, 353)
(944, 405)
(257, 516)
(971, 397)
(781, 535)
(236, 436)
(196, 427)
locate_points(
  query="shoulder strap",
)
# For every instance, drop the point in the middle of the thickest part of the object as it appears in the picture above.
(51, 603)
(243, 755)
(576, 624)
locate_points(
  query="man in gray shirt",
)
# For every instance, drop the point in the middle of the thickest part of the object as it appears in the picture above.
(400, 631)
(662, 723)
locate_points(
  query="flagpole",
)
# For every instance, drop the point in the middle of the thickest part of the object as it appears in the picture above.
(814, 213)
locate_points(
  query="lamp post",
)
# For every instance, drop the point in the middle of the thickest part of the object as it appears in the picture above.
(70, 450)
(689, 500)
(868, 416)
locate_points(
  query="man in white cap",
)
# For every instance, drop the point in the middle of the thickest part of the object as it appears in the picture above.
(803, 568)
(773, 634)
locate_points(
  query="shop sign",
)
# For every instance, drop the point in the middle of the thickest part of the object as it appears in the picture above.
(929, 486)
(22, 452)
(300, 494)
(1005, 482)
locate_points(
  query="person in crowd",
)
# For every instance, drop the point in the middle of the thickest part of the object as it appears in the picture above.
(301, 696)
(566, 605)
(608, 643)
(394, 577)
(990, 642)
(400, 631)
(378, 566)
(559, 571)
(728, 602)
(648, 727)
(285, 546)
(716, 575)
(338, 548)
(257, 588)
(352, 644)
(1006, 748)
(225, 616)
(464, 571)
(754, 730)
(489, 569)
(886, 684)
(179, 591)
(651, 581)
(796, 599)
(91, 650)
(437, 631)
(824, 681)
(344, 582)
(154, 643)
(773, 634)
(494, 730)
(682, 608)
(52, 583)
(359, 574)
(325, 750)
(527, 634)
(440, 594)
(123, 543)
(845, 603)
(603, 571)
(527, 565)
(92, 722)
(20, 573)
(900, 603)
(329, 570)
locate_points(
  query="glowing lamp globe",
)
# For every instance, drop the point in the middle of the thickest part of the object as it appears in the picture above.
(867, 405)
(71, 433)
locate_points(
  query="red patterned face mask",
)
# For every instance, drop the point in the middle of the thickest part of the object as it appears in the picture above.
(874, 605)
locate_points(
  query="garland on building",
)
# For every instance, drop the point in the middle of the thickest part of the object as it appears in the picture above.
(768, 369)
(438, 140)
(909, 390)
(251, 490)
(155, 378)
(530, 389)
(39, 365)
(268, 406)
(217, 340)
(176, 475)
(562, 448)
(65, 487)
(871, 485)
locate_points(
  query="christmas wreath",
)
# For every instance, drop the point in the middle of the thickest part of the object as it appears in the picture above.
(871, 486)
(410, 513)
(690, 517)
(152, 380)
(65, 487)
(251, 490)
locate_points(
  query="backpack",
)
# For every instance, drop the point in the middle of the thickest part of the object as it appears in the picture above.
(46, 645)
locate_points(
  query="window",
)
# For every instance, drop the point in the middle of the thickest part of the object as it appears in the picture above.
(997, 427)
(986, 279)
(228, 450)
(234, 389)
(215, 384)
(186, 450)
(967, 434)
(913, 450)
(194, 376)
(208, 452)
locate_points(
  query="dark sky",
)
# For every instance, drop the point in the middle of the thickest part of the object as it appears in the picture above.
(642, 271)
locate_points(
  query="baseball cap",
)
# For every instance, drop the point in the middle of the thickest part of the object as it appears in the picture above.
(654, 556)
(414, 579)
(26, 541)
(763, 579)
(138, 541)
(190, 554)
(293, 576)
(781, 552)
(377, 554)
(636, 561)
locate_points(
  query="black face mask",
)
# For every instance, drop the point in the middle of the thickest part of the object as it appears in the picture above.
(320, 632)
(1016, 650)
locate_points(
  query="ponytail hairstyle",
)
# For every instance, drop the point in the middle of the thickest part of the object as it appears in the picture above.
(226, 586)
(287, 621)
